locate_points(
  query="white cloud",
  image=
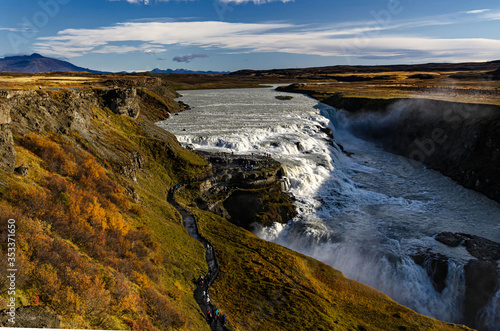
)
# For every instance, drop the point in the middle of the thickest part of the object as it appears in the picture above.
(352, 40)
(478, 11)
(13, 29)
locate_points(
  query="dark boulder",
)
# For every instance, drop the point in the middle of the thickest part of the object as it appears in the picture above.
(22, 170)
(480, 248)
(436, 266)
(327, 131)
(450, 239)
(483, 249)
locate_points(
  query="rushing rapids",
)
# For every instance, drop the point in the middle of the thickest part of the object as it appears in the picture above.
(365, 214)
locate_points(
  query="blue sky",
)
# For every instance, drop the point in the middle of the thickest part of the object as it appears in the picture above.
(137, 35)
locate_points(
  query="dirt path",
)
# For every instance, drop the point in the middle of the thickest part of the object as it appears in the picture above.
(220, 163)
(202, 292)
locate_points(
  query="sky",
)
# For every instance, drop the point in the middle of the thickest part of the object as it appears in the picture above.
(229, 35)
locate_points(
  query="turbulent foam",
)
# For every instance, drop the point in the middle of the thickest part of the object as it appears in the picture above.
(363, 215)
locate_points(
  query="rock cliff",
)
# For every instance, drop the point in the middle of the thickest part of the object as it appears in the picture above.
(67, 112)
(245, 196)
(7, 151)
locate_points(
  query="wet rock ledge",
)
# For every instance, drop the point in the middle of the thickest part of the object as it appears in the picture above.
(245, 189)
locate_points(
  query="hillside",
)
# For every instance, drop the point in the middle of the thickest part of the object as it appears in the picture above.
(324, 72)
(100, 246)
(36, 63)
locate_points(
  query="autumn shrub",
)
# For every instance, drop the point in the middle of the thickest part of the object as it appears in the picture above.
(56, 158)
(165, 315)
(77, 239)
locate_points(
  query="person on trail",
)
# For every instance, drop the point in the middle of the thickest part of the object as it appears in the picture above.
(224, 320)
(209, 317)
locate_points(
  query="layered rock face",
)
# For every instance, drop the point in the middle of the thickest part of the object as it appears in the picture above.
(122, 101)
(7, 151)
(65, 112)
(461, 141)
(245, 197)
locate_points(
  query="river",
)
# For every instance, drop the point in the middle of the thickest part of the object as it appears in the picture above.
(363, 214)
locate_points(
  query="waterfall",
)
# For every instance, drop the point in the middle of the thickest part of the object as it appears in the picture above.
(364, 214)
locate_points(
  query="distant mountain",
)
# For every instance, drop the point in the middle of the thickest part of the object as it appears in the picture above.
(36, 63)
(185, 71)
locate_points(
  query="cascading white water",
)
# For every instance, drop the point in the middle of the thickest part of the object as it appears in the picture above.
(364, 215)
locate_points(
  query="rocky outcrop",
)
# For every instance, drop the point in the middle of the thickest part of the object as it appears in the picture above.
(7, 151)
(66, 111)
(245, 195)
(122, 101)
(31, 317)
(51, 111)
(481, 275)
(436, 266)
(131, 165)
(4, 113)
(480, 248)
(22, 170)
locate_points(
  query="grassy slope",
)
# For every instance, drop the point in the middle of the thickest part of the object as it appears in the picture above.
(266, 286)
(178, 258)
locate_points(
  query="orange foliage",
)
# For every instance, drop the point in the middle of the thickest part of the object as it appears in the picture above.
(80, 205)
(56, 158)
(166, 316)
